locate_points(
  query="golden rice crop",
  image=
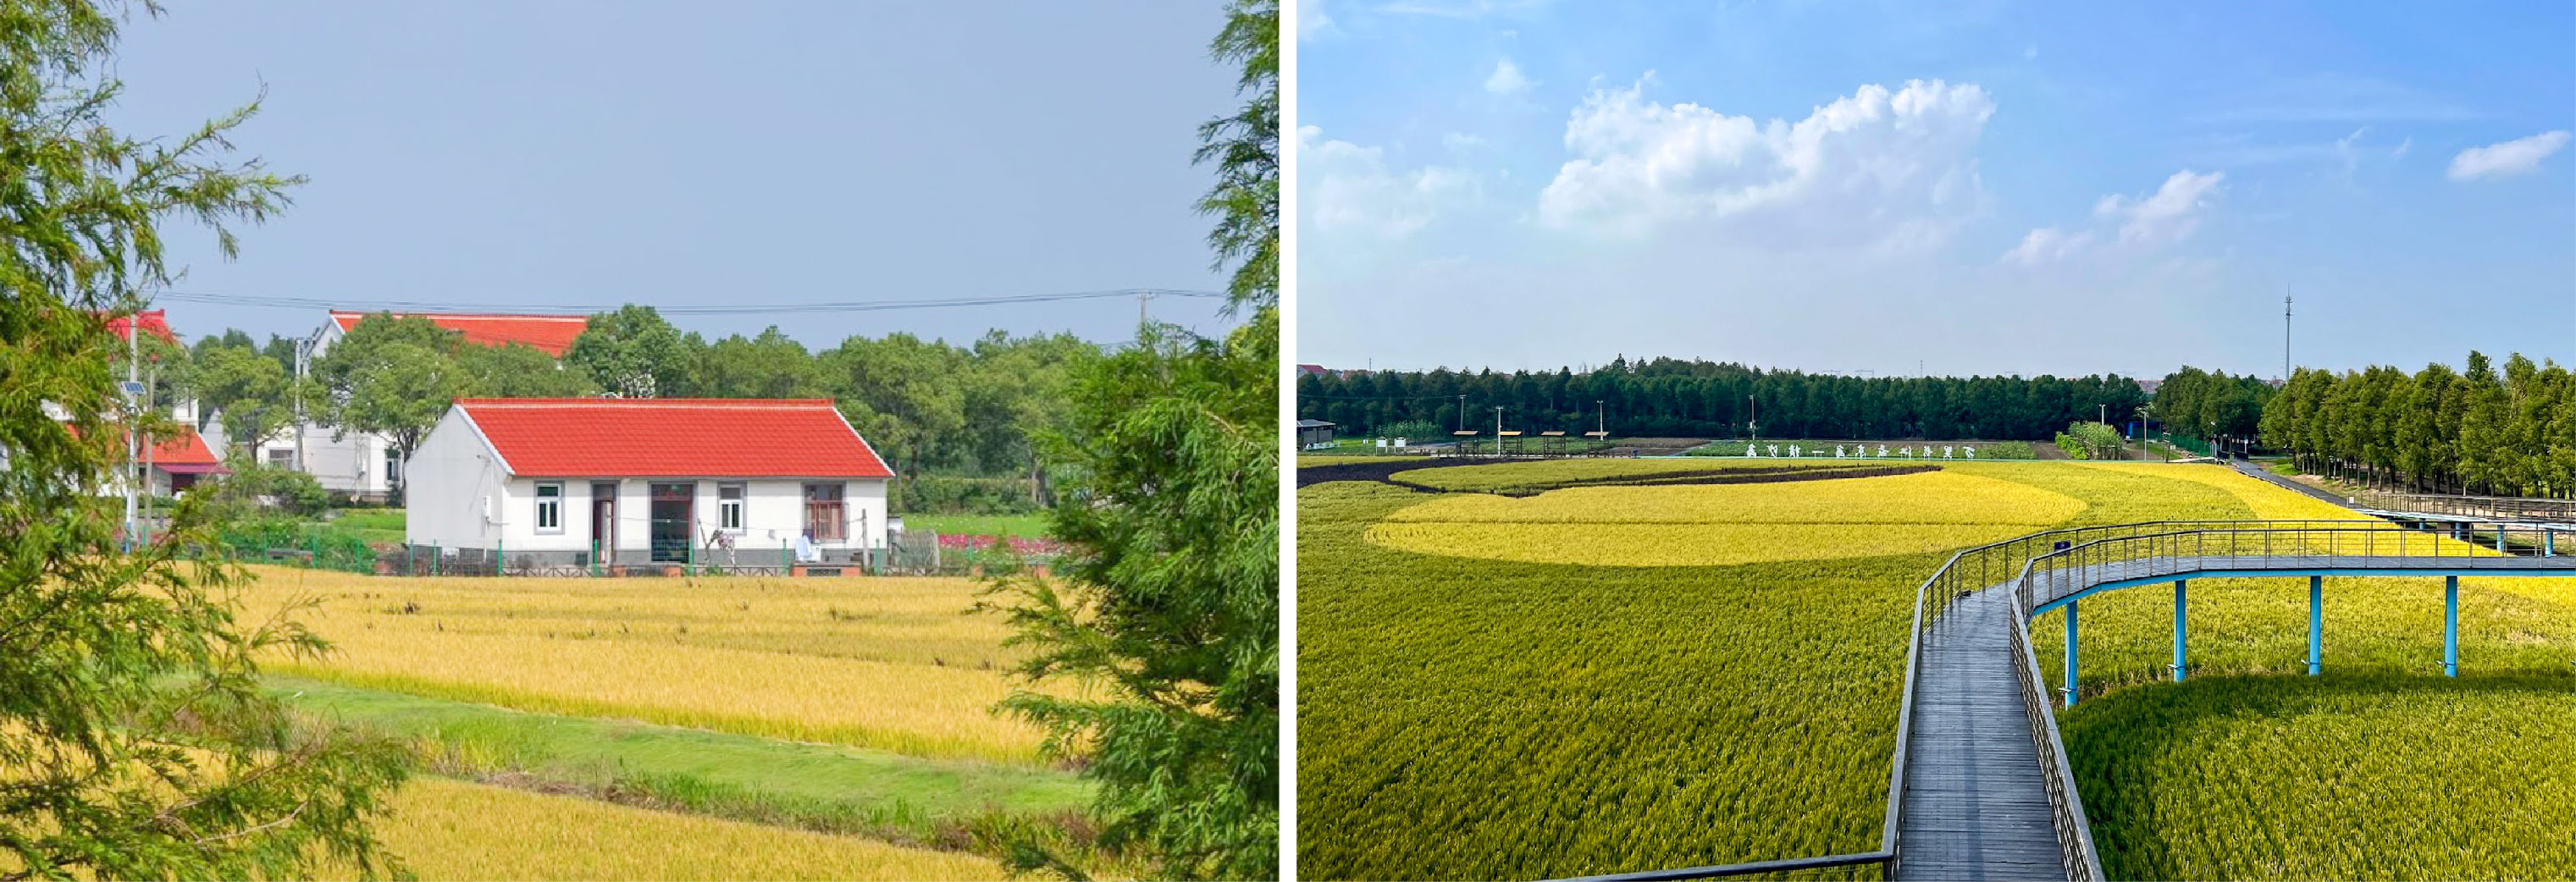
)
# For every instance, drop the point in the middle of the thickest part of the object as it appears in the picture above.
(1920, 498)
(1679, 545)
(1716, 524)
(887, 663)
(448, 829)
(1485, 478)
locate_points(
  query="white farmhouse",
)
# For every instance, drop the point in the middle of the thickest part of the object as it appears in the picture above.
(553, 481)
(364, 465)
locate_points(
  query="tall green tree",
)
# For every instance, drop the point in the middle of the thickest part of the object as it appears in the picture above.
(1170, 595)
(135, 735)
(635, 353)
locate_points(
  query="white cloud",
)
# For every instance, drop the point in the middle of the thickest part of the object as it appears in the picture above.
(2168, 215)
(2046, 244)
(2402, 147)
(1876, 168)
(2139, 223)
(1461, 142)
(1312, 21)
(2518, 156)
(1353, 191)
(1507, 79)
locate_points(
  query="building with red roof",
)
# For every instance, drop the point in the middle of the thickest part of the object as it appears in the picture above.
(633, 481)
(550, 334)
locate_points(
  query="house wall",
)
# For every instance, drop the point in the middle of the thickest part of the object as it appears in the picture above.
(773, 514)
(459, 497)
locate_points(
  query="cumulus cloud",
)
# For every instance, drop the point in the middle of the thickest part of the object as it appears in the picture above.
(1353, 191)
(1877, 167)
(2047, 244)
(2168, 215)
(2518, 156)
(1507, 79)
(2163, 217)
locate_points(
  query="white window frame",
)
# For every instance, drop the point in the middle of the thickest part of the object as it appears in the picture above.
(730, 512)
(550, 505)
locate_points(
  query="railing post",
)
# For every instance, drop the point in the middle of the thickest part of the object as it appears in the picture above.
(2450, 626)
(2316, 624)
(2180, 631)
(2070, 653)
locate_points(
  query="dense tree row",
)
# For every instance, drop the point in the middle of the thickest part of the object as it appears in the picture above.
(1668, 397)
(926, 405)
(2211, 406)
(2481, 431)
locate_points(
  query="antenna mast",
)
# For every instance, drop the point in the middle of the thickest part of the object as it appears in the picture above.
(2285, 334)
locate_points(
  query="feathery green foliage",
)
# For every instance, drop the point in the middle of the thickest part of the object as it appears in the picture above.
(134, 741)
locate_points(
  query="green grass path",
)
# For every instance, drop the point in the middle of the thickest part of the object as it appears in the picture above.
(825, 787)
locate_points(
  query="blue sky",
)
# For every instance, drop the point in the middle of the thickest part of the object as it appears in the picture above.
(685, 154)
(1974, 188)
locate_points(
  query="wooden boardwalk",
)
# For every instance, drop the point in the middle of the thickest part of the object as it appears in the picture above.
(1975, 805)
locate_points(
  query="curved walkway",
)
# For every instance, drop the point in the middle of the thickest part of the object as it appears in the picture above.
(1976, 800)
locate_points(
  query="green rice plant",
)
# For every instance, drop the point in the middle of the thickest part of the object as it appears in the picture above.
(1462, 715)
(2368, 775)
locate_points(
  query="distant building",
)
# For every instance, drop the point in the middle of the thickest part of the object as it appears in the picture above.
(1311, 370)
(364, 465)
(647, 480)
(1312, 434)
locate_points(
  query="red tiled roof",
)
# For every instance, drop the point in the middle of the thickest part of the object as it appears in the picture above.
(154, 321)
(550, 334)
(673, 437)
(189, 449)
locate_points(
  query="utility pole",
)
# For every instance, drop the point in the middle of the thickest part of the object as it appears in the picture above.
(1752, 427)
(1142, 295)
(2285, 334)
(1600, 419)
(1462, 413)
(1498, 431)
(133, 382)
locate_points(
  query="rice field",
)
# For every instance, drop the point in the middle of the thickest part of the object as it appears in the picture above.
(769, 728)
(891, 663)
(446, 829)
(1492, 703)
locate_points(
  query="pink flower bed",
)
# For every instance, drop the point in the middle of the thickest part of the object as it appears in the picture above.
(1022, 545)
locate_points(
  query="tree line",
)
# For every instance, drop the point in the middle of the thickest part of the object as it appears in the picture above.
(2210, 405)
(2479, 430)
(927, 406)
(1677, 398)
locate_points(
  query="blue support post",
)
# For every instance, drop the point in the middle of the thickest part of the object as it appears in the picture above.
(2316, 625)
(2450, 626)
(2179, 631)
(2070, 653)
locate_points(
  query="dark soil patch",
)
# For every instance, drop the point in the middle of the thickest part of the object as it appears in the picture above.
(1378, 471)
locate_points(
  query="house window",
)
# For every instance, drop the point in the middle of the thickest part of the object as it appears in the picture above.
(550, 507)
(393, 465)
(824, 521)
(729, 507)
(281, 457)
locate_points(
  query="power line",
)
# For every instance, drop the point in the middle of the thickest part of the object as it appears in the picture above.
(426, 307)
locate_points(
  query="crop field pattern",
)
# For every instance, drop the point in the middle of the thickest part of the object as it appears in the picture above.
(1474, 711)
(678, 728)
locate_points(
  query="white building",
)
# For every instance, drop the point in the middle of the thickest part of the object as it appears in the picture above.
(365, 464)
(551, 481)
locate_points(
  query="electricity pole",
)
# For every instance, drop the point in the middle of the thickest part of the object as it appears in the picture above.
(1752, 428)
(1600, 419)
(1462, 413)
(1498, 431)
(133, 356)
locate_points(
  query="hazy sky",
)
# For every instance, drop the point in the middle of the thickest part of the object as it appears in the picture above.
(1999, 188)
(493, 154)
